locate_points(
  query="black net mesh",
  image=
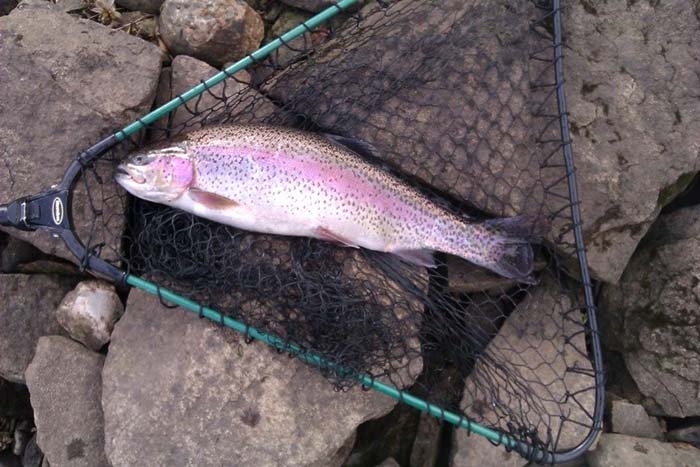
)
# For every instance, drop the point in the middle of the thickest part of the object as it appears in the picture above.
(458, 98)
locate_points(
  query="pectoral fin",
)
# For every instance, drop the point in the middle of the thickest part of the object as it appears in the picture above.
(327, 234)
(211, 200)
(418, 257)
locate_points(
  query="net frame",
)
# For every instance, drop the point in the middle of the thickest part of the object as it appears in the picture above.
(91, 261)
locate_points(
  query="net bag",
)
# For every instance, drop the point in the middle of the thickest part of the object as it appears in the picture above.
(463, 101)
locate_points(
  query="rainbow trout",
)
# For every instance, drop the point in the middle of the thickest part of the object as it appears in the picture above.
(288, 182)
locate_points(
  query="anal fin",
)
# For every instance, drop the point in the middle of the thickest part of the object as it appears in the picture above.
(211, 200)
(327, 234)
(419, 257)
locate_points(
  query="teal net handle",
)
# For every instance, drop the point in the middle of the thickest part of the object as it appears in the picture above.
(254, 57)
(365, 380)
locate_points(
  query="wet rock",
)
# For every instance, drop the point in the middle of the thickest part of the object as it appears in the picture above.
(310, 5)
(527, 373)
(28, 312)
(472, 135)
(633, 420)
(94, 78)
(89, 312)
(627, 451)
(657, 305)
(631, 69)
(64, 383)
(182, 390)
(240, 103)
(427, 442)
(215, 31)
(149, 6)
(689, 434)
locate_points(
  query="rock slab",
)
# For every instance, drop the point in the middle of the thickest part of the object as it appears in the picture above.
(633, 420)
(27, 313)
(180, 390)
(627, 451)
(657, 304)
(65, 389)
(215, 31)
(61, 93)
(526, 375)
(89, 312)
(632, 72)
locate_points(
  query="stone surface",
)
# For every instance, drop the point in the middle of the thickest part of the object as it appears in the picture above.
(627, 451)
(32, 456)
(65, 388)
(632, 72)
(240, 103)
(89, 312)
(390, 462)
(310, 5)
(27, 313)
(17, 252)
(524, 372)
(149, 6)
(657, 304)
(369, 84)
(427, 441)
(689, 434)
(633, 420)
(216, 31)
(182, 390)
(94, 78)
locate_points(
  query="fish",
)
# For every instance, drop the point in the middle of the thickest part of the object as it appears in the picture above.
(284, 181)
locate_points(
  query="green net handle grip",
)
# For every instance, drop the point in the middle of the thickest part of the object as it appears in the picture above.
(254, 57)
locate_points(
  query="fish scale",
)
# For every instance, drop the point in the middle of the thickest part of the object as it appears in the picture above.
(285, 181)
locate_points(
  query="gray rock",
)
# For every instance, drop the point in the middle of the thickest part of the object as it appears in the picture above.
(633, 420)
(240, 103)
(630, 71)
(627, 451)
(27, 314)
(23, 433)
(94, 78)
(216, 31)
(149, 6)
(689, 434)
(89, 312)
(657, 304)
(65, 388)
(367, 84)
(534, 349)
(390, 462)
(310, 5)
(427, 442)
(180, 390)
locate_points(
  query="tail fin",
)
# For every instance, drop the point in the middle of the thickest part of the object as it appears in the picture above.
(509, 251)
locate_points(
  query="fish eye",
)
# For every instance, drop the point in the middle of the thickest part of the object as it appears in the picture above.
(140, 159)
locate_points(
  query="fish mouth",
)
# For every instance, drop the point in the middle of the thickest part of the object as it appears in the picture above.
(126, 173)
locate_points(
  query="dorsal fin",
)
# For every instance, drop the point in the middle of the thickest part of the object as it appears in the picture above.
(359, 146)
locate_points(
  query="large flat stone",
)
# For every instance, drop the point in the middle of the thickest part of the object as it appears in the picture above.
(61, 93)
(627, 451)
(180, 390)
(632, 72)
(533, 373)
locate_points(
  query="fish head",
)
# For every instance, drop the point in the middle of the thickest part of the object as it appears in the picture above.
(159, 175)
